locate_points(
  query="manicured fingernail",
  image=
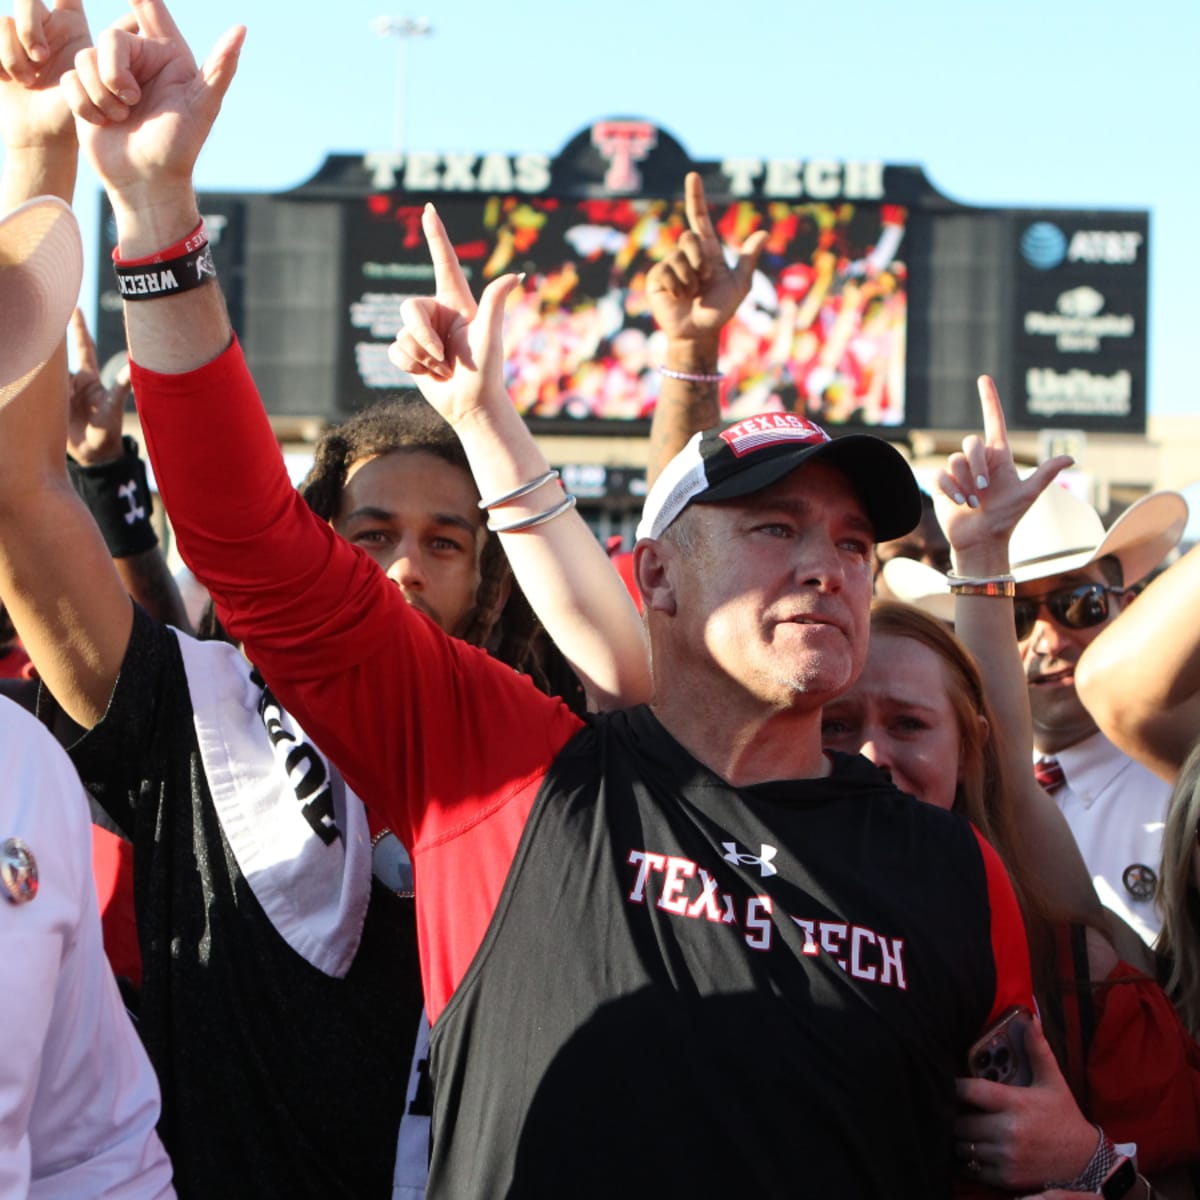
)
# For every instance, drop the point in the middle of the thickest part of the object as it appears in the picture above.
(981, 482)
(959, 498)
(973, 501)
(128, 96)
(39, 53)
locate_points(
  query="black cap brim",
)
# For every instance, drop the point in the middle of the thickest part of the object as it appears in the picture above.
(879, 472)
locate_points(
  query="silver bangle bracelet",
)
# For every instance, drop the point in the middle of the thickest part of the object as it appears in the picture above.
(975, 580)
(518, 492)
(564, 505)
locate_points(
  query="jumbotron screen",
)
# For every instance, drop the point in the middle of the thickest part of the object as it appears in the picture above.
(822, 330)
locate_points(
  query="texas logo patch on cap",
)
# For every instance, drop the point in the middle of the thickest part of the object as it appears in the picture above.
(770, 430)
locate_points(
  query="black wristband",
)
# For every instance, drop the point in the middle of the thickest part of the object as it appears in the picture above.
(151, 281)
(118, 497)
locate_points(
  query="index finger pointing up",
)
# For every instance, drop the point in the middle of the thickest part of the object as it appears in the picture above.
(696, 207)
(995, 431)
(155, 21)
(448, 278)
(29, 17)
(82, 344)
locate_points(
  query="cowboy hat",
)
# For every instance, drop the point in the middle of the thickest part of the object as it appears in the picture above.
(923, 586)
(1061, 533)
(41, 265)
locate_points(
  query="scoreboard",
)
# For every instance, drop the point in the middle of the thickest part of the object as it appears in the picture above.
(877, 302)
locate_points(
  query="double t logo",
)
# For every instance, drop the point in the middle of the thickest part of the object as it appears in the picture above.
(622, 143)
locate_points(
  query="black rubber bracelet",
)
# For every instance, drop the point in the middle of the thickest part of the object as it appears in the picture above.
(118, 497)
(152, 281)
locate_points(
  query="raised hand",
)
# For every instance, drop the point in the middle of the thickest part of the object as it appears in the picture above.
(452, 346)
(982, 496)
(37, 47)
(143, 106)
(694, 291)
(95, 412)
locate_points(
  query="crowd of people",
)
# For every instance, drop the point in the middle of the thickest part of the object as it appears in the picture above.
(446, 860)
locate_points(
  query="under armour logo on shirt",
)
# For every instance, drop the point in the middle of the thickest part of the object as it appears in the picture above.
(1049, 774)
(763, 859)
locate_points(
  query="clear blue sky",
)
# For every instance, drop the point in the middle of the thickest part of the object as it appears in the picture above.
(1026, 103)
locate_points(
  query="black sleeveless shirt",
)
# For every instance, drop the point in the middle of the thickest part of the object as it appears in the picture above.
(757, 992)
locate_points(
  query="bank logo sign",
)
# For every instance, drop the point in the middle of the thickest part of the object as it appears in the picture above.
(1079, 323)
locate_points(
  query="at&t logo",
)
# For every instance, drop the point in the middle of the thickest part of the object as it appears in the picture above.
(1044, 246)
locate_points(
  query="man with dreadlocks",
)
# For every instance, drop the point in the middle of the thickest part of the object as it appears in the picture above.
(424, 528)
(381, 481)
(280, 995)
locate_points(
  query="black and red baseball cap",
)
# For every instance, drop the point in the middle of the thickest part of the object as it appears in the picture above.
(741, 459)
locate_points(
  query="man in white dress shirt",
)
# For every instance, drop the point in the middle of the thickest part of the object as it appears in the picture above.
(78, 1099)
(1072, 581)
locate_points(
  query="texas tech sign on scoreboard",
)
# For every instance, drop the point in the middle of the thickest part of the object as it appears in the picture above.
(878, 299)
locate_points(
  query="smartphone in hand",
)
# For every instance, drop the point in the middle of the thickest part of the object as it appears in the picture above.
(999, 1054)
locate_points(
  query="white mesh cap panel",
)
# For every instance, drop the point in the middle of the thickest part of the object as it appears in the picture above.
(682, 479)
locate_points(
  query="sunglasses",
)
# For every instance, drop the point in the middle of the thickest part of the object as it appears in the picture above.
(1079, 607)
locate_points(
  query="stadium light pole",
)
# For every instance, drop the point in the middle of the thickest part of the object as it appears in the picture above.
(404, 29)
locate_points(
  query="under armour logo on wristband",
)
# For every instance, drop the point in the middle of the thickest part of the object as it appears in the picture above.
(1049, 773)
(732, 855)
(128, 492)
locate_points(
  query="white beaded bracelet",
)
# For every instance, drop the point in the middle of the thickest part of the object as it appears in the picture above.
(689, 377)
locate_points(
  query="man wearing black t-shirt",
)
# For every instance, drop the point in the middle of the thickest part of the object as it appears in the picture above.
(675, 947)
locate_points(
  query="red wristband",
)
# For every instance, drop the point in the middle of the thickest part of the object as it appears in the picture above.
(194, 241)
